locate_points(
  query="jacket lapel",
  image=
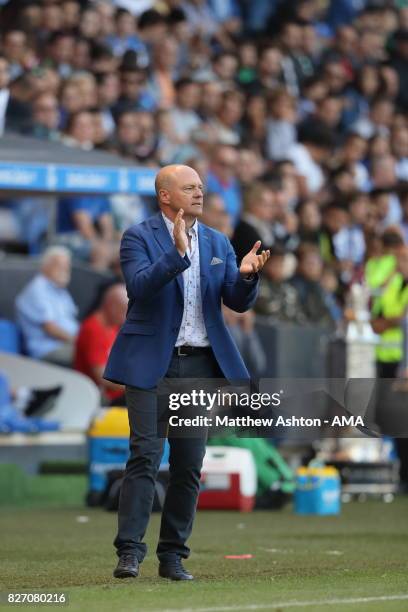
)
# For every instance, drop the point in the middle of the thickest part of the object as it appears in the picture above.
(204, 242)
(162, 235)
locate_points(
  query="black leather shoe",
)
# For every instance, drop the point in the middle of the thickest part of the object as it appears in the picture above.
(127, 567)
(174, 570)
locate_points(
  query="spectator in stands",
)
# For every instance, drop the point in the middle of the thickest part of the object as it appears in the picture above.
(277, 298)
(108, 95)
(82, 55)
(85, 225)
(163, 72)
(400, 64)
(23, 91)
(86, 83)
(96, 336)
(353, 153)
(227, 121)
(253, 124)
(211, 98)
(70, 100)
(60, 50)
(270, 70)
(256, 220)
(126, 136)
(125, 36)
(308, 213)
(133, 92)
(46, 312)
(349, 242)
(307, 282)
(250, 166)
(15, 50)
(335, 218)
(308, 155)
(381, 266)
(215, 215)
(280, 127)
(71, 13)
(285, 224)
(102, 60)
(183, 116)
(377, 121)
(45, 117)
(222, 179)
(399, 145)
(79, 131)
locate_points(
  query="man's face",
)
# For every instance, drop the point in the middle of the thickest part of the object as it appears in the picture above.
(355, 149)
(45, 111)
(132, 83)
(310, 217)
(82, 128)
(382, 205)
(226, 67)
(264, 207)
(188, 96)
(128, 130)
(63, 49)
(184, 190)
(359, 209)
(225, 163)
(14, 45)
(310, 266)
(336, 220)
(271, 62)
(108, 91)
(58, 270)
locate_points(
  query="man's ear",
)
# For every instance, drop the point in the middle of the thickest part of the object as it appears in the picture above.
(164, 196)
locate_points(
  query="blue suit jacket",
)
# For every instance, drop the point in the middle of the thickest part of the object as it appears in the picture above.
(153, 268)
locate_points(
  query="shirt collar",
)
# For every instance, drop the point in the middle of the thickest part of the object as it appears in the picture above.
(170, 225)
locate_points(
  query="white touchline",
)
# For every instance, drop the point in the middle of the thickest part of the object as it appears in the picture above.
(291, 604)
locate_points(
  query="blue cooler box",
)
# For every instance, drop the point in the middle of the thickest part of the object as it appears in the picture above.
(318, 490)
(108, 447)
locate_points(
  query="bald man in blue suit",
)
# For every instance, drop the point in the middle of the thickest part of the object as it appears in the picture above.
(177, 273)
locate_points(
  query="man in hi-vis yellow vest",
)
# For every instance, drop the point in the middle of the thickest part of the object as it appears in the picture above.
(388, 313)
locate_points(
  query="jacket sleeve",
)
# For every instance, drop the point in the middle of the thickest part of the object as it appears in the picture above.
(237, 293)
(143, 278)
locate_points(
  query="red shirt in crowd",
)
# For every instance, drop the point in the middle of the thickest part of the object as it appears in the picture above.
(93, 346)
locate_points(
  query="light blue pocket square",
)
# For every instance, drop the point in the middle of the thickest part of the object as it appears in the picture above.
(215, 261)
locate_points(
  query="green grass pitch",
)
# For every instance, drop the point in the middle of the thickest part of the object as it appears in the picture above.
(363, 553)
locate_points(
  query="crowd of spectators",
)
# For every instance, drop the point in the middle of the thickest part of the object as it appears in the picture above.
(293, 112)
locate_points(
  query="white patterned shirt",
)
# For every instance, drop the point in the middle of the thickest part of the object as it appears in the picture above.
(192, 330)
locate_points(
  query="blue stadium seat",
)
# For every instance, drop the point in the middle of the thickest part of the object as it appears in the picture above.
(10, 340)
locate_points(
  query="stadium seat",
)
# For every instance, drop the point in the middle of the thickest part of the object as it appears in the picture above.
(10, 340)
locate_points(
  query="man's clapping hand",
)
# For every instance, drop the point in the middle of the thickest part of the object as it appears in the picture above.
(253, 263)
(179, 233)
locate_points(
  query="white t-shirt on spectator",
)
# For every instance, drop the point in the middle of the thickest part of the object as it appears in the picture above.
(306, 166)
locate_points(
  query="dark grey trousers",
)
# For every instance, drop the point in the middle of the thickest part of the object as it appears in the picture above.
(186, 457)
